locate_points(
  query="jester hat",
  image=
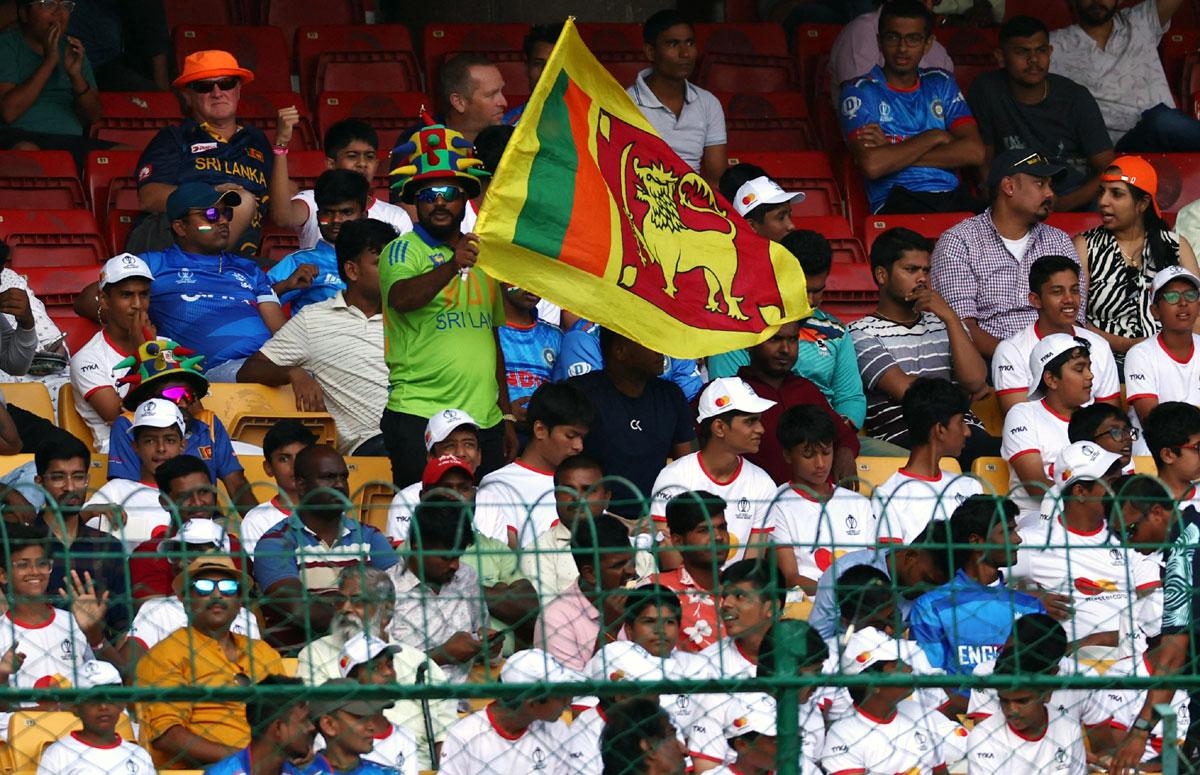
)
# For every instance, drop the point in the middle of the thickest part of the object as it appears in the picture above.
(158, 361)
(436, 153)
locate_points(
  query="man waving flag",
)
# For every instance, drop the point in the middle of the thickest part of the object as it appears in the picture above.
(592, 210)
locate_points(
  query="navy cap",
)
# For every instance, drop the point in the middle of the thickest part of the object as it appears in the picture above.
(1022, 160)
(196, 195)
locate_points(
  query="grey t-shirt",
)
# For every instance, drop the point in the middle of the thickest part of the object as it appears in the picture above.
(1066, 125)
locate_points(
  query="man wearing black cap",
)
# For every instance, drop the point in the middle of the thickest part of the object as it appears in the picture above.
(981, 266)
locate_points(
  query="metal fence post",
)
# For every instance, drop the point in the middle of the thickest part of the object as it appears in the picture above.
(1170, 737)
(789, 639)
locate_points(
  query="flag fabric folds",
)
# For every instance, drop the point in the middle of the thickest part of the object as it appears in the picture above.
(592, 210)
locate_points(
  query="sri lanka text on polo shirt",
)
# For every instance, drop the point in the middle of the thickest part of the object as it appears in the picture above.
(231, 168)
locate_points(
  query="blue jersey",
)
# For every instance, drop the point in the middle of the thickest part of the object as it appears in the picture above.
(321, 766)
(209, 303)
(208, 442)
(188, 152)
(324, 286)
(580, 353)
(239, 764)
(935, 103)
(964, 623)
(530, 353)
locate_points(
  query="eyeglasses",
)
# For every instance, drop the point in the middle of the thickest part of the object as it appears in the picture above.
(1193, 447)
(1119, 434)
(177, 394)
(205, 587)
(911, 39)
(214, 214)
(1173, 297)
(447, 193)
(54, 5)
(205, 87)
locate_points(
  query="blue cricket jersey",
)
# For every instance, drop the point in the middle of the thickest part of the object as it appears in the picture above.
(324, 286)
(530, 353)
(208, 442)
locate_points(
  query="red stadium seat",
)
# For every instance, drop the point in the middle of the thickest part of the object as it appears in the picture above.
(778, 121)
(261, 50)
(965, 74)
(304, 167)
(112, 181)
(43, 179)
(612, 37)
(261, 109)
(190, 12)
(117, 228)
(1178, 51)
(57, 286)
(378, 57)
(1054, 13)
(929, 225)
(807, 171)
(134, 118)
(1178, 178)
(52, 238)
(846, 246)
(388, 114)
(287, 15)
(970, 45)
(495, 41)
(744, 57)
(78, 330)
(810, 43)
(741, 10)
(854, 193)
(277, 242)
(850, 291)
(1074, 223)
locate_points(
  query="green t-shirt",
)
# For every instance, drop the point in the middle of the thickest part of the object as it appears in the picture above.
(53, 111)
(443, 355)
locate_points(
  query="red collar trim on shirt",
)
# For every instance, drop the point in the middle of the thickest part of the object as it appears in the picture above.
(600, 712)
(279, 505)
(387, 732)
(492, 720)
(904, 472)
(1026, 737)
(1084, 533)
(520, 327)
(1053, 413)
(113, 344)
(742, 651)
(528, 467)
(869, 717)
(27, 625)
(1191, 493)
(79, 739)
(151, 485)
(371, 202)
(909, 90)
(1171, 355)
(805, 494)
(713, 479)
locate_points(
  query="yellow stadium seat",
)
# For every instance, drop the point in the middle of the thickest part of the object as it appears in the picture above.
(30, 396)
(248, 411)
(263, 486)
(993, 472)
(98, 473)
(31, 731)
(874, 471)
(798, 610)
(371, 488)
(988, 412)
(10, 463)
(1144, 464)
(69, 418)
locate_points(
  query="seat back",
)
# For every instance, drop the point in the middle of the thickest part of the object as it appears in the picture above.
(929, 225)
(57, 287)
(439, 41)
(39, 179)
(111, 178)
(993, 472)
(874, 471)
(261, 109)
(388, 114)
(1074, 223)
(33, 397)
(78, 330)
(778, 120)
(249, 411)
(261, 50)
(358, 48)
(134, 118)
(69, 418)
(52, 238)
(807, 171)
(287, 15)
(846, 246)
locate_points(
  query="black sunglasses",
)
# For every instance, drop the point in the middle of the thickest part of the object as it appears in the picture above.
(205, 87)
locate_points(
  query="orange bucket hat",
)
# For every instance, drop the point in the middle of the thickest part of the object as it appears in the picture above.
(1135, 171)
(211, 64)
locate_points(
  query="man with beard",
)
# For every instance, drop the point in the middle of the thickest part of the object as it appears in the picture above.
(1115, 57)
(981, 266)
(366, 600)
(440, 314)
(280, 732)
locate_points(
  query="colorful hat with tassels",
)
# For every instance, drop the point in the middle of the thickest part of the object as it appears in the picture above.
(157, 361)
(436, 153)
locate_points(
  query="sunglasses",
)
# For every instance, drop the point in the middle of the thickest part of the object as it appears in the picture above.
(178, 395)
(205, 587)
(1173, 297)
(215, 213)
(205, 87)
(447, 193)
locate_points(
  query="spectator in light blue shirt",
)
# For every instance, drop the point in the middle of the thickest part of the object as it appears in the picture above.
(309, 276)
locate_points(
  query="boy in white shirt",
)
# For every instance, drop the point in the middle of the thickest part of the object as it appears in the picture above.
(96, 749)
(280, 447)
(124, 296)
(751, 733)
(515, 504)
(1036, 431)
(935, 412)
(812, 521)
(132, 511)
(1166, 367)
(730, 420)
(1054, 292)
(450, 432)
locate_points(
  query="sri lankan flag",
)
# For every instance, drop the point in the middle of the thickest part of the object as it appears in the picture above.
(593, 211)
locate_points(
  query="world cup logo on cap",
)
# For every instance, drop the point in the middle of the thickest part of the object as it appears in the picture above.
(129, 262)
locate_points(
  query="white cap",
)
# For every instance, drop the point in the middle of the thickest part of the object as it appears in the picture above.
(1165, 276)
(624, 661)
(866, 647)
(443, 424)
(158, 413)
(1047, 349)
(361, 649)
(1082, 461)
(95, 673)
(762, 191)
(198, 532)
(122, 267)
(533, 666)
(729, 394)
(756, 713)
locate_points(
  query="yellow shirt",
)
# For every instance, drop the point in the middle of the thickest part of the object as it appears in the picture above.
(187, 657)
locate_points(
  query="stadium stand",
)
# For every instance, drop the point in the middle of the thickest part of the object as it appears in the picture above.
(807, 171)
(744, 57)
(356, 58)
(776, 120)
(263, 51)
(45, 180)
(289, 16)
(502, 43)
(261, 109)
(388, 114)
(134, 118)
(929, 225)
(111, 184)
(846, 246)
(52, 238)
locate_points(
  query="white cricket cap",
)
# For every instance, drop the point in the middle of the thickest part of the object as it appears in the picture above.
(866, 647)
(198, 531)
(762, 191)
(95, 673)
(1082, 461)
(1164, 276)
(533, 666)
(361, 649)
(1047, 349)
(158, 413)
(730, 394)
(755, 714)
(443, 424)
(122, 267)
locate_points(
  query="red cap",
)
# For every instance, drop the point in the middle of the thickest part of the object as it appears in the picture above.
(436, 468)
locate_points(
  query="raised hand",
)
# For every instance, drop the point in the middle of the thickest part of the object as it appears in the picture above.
(87, 606)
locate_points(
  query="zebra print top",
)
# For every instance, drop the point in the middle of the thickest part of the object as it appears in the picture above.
(1119, 294)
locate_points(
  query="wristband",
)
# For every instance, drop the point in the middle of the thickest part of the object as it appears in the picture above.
(508, 417)
(279, 150)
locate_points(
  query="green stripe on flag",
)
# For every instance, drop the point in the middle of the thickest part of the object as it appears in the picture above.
(550, 198)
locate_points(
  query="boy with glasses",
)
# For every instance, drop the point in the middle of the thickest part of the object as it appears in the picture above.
(1173, 438)
(1107, 426)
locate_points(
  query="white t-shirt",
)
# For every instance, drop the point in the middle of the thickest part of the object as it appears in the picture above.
(158, 617)
(748, 496)
(1010, 364)
(909, 742)
(1030, 428)
(145, 518)
(396, 748)
(1126, 704)
(908, 503)
(820, 532)
(1082, 706)
(71, 756)
(93, 368)
(516, 501)
(1152, 372)
(400, 512)
(53, 651)
(259, 520)
(998, 749)
(310, 232)
(476, 745)
(706, 735)
(1100, 577)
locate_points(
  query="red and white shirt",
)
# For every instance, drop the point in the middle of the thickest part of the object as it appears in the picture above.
(259, 520)
(748, 495)
(400, 512)
(145, 517)
(54, 650)
(515, 501)
(1032, 428)
(93, 368)
(387, 212)
(1151, 371)
(477, 744)
(995, 748)
(908, 502)
(1126, 704)
(909, 742)
(72, 756)
(1082, 706)
(1010, 364)
(821, 530)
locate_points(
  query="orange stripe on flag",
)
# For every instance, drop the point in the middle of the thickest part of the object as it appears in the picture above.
(586, 243)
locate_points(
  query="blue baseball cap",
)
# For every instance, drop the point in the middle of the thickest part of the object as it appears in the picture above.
(196, 195)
